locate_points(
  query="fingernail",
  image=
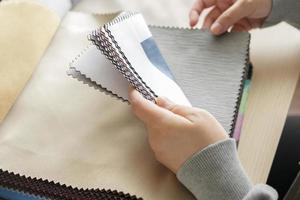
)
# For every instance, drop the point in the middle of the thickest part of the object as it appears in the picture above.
(216, 28)
(193, 18)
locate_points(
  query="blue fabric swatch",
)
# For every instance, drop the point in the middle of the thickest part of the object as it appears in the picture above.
(155, 57)
(9, 194)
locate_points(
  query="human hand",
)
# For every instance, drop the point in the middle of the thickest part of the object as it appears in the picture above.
(242, 15)
(175, 132)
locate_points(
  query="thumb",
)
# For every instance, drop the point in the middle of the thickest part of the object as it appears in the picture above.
(237, 11)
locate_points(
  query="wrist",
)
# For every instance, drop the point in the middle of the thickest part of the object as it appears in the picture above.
(214, 171)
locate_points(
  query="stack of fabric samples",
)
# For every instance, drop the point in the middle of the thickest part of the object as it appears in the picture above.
(61, 139)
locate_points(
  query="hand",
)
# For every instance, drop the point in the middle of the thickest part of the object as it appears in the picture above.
(175, 132)
(242, 15)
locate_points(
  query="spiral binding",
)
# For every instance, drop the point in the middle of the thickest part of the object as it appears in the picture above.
(113, 52)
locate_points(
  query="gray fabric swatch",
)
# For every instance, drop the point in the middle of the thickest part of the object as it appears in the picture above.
(210, 70)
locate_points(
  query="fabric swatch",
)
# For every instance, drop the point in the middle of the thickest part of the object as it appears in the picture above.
(121, 41)
(61, 7)
(16, 187)
(242, 110)
(26, 30)
(209, 70)
(64, 131)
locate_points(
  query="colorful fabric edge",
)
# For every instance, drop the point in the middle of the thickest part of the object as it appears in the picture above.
(241, 112)
(9, 194)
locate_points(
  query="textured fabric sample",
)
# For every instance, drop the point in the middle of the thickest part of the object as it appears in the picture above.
(16, 187)
(240, 118)
(61, 7)
(210, 70)
(9, 194)
(62, 130)
(26, 31)
(121, 41)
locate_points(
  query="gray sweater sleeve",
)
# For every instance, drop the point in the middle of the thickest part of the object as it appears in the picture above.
(216, 173)
(284, 10)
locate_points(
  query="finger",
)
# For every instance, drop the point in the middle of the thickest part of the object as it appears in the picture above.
(184, 111)
(233, 14)
(220, 7)
(224, 4)
(194, 18)
(211, 17)
(197, 9)
(150, 113)
(164, 102)
(144, 109)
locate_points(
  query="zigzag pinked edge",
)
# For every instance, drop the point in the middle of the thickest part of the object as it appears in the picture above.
(76, 74)
(55, 190)
(241, 86)
(112, 53)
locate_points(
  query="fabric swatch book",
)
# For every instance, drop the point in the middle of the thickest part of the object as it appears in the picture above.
(64, 140)
(188, 66)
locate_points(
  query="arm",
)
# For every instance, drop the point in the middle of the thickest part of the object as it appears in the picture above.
(216, 173)
(191, 142)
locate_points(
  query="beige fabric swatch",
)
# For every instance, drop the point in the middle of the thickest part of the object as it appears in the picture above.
(26, 31)
(62, 130)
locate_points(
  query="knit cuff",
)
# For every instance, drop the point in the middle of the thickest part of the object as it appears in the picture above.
(261, 192)
(215, 173)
